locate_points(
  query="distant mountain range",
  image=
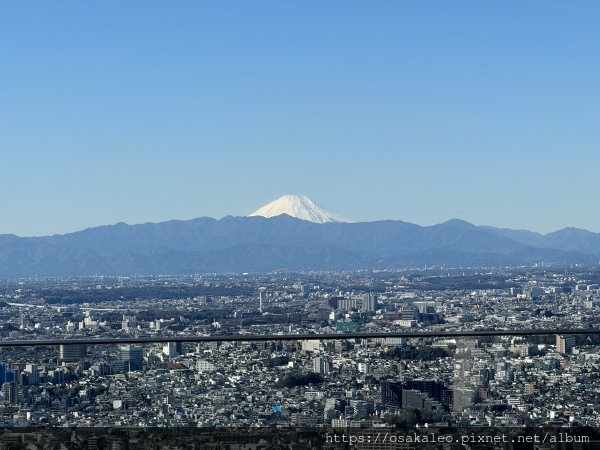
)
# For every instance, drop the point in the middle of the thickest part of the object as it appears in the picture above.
(260, 244)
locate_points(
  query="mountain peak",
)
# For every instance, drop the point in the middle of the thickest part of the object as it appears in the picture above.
(298, 206)
(458, 223)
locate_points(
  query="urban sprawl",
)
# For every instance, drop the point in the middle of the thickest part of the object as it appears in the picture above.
(488, 380)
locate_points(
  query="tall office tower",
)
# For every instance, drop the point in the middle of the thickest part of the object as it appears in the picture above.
(128, 322)
(391, 393)
(369, 302)
(131, 358)
(179, 348)
(8, 374)
(33, 374)
(346, 304)
(564, 343)
(10, 391)
(408, 313)
(72, 352)
(3, 373)
(364, 368)
(170, 349)
(320, 365)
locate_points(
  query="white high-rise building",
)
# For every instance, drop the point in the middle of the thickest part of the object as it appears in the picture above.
(369, 302)
(564, 343)
(364, 368)
(170, 349)
(320, 365)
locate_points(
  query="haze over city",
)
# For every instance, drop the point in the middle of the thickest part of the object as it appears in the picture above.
(144, 111)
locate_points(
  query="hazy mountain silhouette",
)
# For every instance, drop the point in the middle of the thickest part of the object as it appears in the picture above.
(259, 244)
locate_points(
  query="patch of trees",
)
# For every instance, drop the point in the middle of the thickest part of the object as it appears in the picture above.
(300, 379)
(277, 361)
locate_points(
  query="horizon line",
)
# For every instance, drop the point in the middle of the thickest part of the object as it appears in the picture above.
(248, 216)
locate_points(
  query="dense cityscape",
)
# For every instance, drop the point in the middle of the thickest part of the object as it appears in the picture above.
(299, 225)
(437, 380)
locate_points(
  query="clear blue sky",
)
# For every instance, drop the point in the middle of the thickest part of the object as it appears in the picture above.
(414, 110)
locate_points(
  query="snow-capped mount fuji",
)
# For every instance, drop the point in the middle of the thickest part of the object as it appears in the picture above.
(251, 244)
(300, 207)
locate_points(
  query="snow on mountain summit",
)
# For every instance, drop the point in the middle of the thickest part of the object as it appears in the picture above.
(297, 206)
